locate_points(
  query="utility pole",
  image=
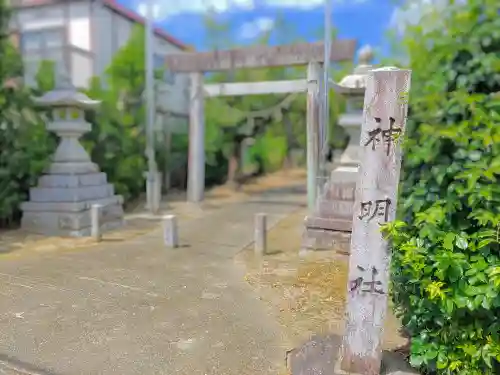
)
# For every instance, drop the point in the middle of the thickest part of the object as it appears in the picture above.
(325, 118)
(152, 185)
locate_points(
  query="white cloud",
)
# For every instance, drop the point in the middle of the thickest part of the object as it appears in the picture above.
(256, 27)
(307, 4)
(165, 9)
(169, 8)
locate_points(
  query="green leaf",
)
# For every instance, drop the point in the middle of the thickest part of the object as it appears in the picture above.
(416, 361)
(448, 241)
(430, 355)
(461, 242)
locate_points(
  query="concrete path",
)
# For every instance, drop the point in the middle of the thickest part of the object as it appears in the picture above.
(137, 308)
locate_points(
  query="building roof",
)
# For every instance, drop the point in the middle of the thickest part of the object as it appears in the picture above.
(133, 16)
(116, 7)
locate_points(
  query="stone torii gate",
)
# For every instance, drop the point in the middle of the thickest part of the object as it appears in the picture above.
(196, 63)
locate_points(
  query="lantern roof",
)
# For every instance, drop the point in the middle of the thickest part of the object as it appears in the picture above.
(355, 83)
(65, 94)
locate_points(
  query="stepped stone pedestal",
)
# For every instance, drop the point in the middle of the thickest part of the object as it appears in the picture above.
(330, 224)
(60, 204)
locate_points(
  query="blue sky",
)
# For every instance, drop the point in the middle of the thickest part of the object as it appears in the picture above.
(367, 21)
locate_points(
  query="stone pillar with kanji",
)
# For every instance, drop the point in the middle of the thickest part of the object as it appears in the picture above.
(384, 123)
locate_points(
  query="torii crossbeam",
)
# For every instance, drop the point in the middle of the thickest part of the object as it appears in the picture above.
(196, 63)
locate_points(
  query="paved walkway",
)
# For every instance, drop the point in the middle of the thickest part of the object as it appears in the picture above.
(137, 308)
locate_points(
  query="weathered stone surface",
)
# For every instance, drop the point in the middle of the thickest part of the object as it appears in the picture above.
(69, 224)
(319, 356)
(340, 191)
(316, 357)
(49, 181)
(328, 224)
(315, 238)
(70, 206)
(71, 194)
(366, 308)
(335, 209)
(72, 168)
(333, 212)
(65, 211)
(73, 220)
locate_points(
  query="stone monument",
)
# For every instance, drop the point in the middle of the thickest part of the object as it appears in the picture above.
(331, 220)
(60, 204)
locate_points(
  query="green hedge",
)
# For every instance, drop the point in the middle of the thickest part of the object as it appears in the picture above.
(446, 254)
(25, 145)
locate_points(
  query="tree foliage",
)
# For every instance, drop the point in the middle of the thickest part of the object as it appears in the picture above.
(232, 121)
(117, 139)
(446, 254)
(25, 145)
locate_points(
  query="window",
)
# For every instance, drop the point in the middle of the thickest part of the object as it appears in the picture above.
(159, 64)
(41, 39)
(39, 45)
(31, 41)
(53, 38)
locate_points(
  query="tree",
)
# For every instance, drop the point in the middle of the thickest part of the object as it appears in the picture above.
(45, 77)
(117, 140)
(446, 254)
(231, 121)
(25, 145)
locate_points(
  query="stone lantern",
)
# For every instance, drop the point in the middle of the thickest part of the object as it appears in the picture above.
(352, 87)
(60, 204)
(332, 217)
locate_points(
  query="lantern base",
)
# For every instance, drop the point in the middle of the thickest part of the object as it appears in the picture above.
(72, 168)
(329, 226)
(60, 205)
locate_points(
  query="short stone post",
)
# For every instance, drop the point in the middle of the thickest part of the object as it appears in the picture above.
(384, 120)
(260, 234)
(170, 234)
(95, 221)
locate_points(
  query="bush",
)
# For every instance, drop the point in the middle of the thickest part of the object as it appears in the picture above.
(25, 145)
(25, 148)
(116, 142)
(446, 254)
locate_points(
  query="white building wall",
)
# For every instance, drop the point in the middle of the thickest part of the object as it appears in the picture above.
(103, 37)
(47, 16)
(123, 29)
(174, 94)
(94, 34)
(79, 25)
(79, 38)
